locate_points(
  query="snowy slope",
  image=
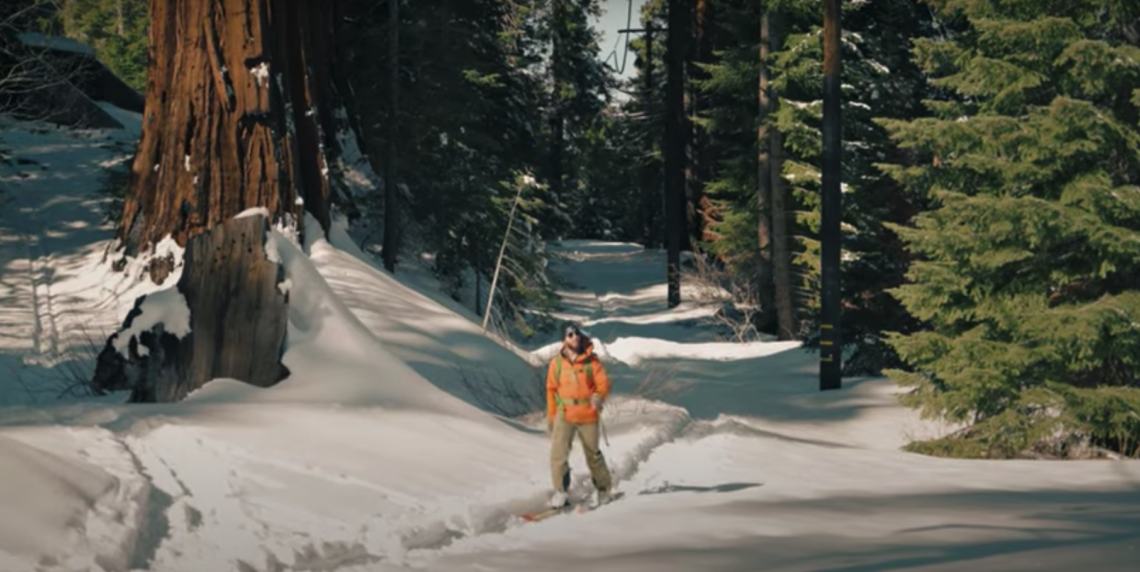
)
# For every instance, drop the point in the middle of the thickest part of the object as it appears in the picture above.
(371, 458)
(53, 294)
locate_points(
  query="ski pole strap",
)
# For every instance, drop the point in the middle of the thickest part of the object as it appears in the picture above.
(589, 371)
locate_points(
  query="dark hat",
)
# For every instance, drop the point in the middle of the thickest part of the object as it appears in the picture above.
(568, 327)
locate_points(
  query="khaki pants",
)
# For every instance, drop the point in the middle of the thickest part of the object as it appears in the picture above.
(561, 438)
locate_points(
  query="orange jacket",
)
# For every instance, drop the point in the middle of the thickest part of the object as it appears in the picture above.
(574, 389)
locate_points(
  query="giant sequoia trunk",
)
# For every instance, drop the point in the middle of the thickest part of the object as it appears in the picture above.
(240, 113)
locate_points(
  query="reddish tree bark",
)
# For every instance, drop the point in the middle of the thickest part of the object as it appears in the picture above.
(241, 112)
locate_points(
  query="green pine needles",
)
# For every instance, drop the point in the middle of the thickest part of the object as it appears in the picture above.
(1027, 267)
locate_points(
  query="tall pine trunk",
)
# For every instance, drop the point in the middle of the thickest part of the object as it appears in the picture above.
(764, 181)
(700, 149)
(240, 113)
(781, 251)
(676, 133)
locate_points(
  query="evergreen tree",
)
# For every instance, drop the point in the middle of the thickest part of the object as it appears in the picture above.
(879, 81)
(1027, 270)
(619, 192)
(469, 126)
(117, 31)
(577, 92)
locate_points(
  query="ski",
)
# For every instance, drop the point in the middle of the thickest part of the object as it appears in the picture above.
(580, 508)
(547, 513)
(584, 508)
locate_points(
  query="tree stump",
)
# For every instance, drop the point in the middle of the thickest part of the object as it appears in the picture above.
(237, 321)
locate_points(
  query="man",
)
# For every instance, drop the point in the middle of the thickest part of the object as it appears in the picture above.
(576, 388)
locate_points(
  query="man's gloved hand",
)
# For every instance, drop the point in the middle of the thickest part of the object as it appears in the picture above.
(597, 400)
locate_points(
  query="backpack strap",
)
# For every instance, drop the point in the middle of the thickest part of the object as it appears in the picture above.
(558, 375)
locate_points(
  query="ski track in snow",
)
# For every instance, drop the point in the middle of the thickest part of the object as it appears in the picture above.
(50, 233)
(189, 505)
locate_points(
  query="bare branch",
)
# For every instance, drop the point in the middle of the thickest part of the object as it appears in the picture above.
(39, 74)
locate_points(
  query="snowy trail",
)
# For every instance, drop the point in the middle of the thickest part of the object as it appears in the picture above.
(51, 230)
(778, 466)
(364, 460)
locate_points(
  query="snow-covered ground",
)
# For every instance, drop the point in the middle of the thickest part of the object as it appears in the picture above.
(371, 457)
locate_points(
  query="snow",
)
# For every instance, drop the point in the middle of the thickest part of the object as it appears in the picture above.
(38, 40)
(61, 509)
(353, 165)
(372, 455)
(261, 72)
(167, 307)
(255, 211)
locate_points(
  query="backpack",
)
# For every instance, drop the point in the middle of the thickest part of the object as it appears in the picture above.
(558, 376)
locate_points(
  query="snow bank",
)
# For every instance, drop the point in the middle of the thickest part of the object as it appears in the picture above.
(733, 501)
(637, 351)
(60, 510)
(333, 358)
(43, 497)
(441, 341)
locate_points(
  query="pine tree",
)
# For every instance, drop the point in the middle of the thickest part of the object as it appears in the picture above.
(578, 88)
(116, 30)
(1027, 270)
(880, 81)
(643, 114)
(470, 125)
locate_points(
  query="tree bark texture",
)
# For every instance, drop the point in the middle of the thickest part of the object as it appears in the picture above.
(226, 269)
(781, 235)
(831, 202)
(240, 105)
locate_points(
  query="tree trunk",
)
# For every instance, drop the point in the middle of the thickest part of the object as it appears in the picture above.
(676, 132)
(699, 171)
(227, 124)
(831, 202)
(240, 113)
(764, 181)
(781, 250)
